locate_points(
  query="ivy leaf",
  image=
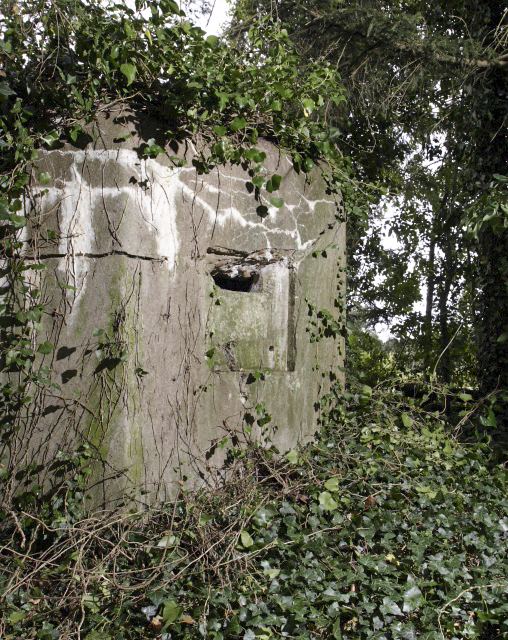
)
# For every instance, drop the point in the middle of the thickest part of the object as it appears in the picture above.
(282, 89)
(75, 132)
(17, 616)
(204, 518)
(224, 98)
(258, 181)
(489, 420)
(292, 456)
(129, 71)
(308, 165)
(5, 90)
(220, 130)
(332, 484)
(168, 541)
(447, 450)
(45, 348)
(64, 285)
(246, 539)
(274, 183)
(37, 266)
(212, 40)
(170, 6)
(326, 500)
(309, 105)
(277, 202)
(337, 99)
(129, 31)
(406, 420)
(44, 177)
(152, 148)
(251, 154)
(390, 607)
(254, 155)
(238, 123)
(6, 46)
(17, 221)
(171, 612)
(412, 599)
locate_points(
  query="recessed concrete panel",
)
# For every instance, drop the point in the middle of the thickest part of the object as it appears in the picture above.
(248, 329)
(179, 302)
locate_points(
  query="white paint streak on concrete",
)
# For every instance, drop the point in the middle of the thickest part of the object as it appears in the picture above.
(163, 210)
(232, 215)
(79, 199)
(157, 205)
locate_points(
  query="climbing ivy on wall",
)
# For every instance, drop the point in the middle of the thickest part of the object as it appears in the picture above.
(62, 63)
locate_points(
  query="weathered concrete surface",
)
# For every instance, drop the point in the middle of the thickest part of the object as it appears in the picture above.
(182, 289)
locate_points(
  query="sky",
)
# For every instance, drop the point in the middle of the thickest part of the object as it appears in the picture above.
(218, 18)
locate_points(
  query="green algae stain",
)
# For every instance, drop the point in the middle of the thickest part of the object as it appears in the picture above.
(111, 384)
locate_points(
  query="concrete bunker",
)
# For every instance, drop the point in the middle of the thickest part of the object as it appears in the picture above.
(169, 292)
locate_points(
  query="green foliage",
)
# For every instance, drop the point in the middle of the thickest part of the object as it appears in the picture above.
(391, 525)
(388, 526)
(162, 63)
(491, 209)
(322, 323)
(425, 116)
(369, 360)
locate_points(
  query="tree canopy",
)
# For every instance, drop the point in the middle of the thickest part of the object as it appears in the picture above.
(425, 115)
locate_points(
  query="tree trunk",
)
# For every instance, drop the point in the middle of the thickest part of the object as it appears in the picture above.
(431, 281)
(493, 354)
(444, 367)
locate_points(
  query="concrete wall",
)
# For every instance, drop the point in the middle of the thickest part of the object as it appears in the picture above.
(169, 290)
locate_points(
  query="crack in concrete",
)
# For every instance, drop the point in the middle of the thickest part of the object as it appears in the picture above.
(115, 252)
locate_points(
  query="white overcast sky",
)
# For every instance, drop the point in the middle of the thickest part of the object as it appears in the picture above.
(218, 18)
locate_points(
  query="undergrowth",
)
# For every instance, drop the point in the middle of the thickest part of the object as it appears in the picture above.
(390, 525)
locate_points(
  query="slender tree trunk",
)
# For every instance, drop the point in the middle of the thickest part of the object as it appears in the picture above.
(493, 353)
(445, 362)
(431, 282)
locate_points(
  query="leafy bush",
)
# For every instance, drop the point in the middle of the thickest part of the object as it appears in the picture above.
(368, 359)
(386, 527)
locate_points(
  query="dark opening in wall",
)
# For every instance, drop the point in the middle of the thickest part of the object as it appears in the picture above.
(241, 282)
